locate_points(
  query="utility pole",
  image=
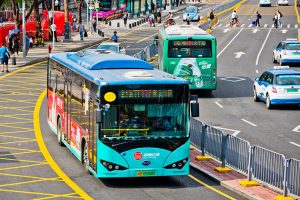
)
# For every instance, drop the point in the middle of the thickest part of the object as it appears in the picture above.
(24, 29)
(53, 41)
(87, 13)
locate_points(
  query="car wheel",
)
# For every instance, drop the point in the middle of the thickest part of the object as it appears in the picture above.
(255, 97)
(59, 133)
(273, 59)
(280, 61)
(268, 102)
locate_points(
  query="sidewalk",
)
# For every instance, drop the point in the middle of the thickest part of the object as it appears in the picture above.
(231, 180)
(38, 54)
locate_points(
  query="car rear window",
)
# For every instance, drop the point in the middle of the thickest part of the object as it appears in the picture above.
(288, 79)
(191, 10)
(293, 46)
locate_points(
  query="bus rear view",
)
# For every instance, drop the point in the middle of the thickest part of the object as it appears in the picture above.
(190, 53)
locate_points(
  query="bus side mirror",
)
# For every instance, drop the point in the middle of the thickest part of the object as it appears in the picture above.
(98, 116)
(194, 106)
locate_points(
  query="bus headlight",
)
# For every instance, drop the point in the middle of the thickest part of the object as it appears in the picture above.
(112, 166)
(179, 164)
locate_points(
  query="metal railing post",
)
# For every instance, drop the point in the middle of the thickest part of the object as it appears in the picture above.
(250, 163)
(224, 148)
(285, 177)
(203, 140)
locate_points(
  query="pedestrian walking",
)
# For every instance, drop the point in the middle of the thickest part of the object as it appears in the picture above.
(81, 30)
(158, 16)
(125, 18)
(151, 19)
(27, 44)
(152, 6)
(188, 19)
(4, 57)
(95, 24)
(275, 19)
(74, 19)
(211, 15)
(258, 17)
(53, 29)
(16, 44)
(279, 16)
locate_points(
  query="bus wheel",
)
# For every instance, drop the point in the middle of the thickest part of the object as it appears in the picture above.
(85, 157)
(59, 133)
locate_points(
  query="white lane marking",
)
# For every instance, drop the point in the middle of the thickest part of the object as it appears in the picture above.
(288, 26)
(297, 129)
(239, 54)
(255, 30)
(242, 25)
(262, 47)
(265, 26)
(218, 104)
(249, 122)
(235, 132)
(233, 79)
(226, 25)
(298, 145)
(229, 42)
(296, 25)
(226, 30)
(256, 71)
(284, 31)
(177, 17)
(272, 26)
(250, 25)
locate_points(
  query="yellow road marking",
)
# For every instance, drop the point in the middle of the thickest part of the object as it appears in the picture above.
(21, 94)
(14, 132)
(55, 196)
(35, 193)
(22, 128)
(20, 153)
(9, 123)
(25, 176)
(296, 10)
(23, 166)
(26, 182)
(15, 108)
(19, 87)
(13, 148)
(146, 38)
(22, 82)
(19, 118)
(29, 140)
(211, 188)
(20, 160)
(14, 100)
(19, 70)
(15, 137)
(47, 155)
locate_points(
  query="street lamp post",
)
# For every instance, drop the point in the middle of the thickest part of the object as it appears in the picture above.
(53, 41)
(24, 29)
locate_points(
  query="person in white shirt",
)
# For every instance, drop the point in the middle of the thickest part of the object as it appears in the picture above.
(53, 29)
(234, 17)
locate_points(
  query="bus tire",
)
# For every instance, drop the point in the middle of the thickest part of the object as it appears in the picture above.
(85, 156)
(59, 133)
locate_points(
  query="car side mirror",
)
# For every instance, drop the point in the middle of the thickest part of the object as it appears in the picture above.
(194, 106)
(98, 116)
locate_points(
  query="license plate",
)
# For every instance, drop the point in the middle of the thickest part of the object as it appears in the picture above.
(292, 90)
(146, 173)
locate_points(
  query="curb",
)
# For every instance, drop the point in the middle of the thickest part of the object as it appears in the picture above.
(32, 62)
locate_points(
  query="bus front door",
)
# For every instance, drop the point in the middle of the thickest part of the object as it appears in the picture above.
(93, 135)
(67, 103)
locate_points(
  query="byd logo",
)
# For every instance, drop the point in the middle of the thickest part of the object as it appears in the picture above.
(138, 155)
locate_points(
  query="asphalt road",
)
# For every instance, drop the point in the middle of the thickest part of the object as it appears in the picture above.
(231, 106)
(25, 174)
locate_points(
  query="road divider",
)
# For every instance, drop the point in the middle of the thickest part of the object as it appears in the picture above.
(260, 165)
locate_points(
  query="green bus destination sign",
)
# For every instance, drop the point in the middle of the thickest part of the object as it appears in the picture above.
(134, 94)
(180, 43)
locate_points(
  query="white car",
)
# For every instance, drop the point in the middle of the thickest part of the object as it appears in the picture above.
(191, 12)
(265, 3)
(278, 86)
(286, 52)
(283, 2)
(112, 46)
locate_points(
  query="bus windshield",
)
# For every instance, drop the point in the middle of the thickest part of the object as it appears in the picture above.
(146, 114)
(190, 49)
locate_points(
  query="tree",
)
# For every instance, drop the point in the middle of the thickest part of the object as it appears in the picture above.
(79, 4)
(16, 4)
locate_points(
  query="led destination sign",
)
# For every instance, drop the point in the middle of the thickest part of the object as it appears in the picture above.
(180, 43)
(135, 94)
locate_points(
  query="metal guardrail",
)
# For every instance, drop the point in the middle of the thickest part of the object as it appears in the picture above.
(147, 53)
(256, 162)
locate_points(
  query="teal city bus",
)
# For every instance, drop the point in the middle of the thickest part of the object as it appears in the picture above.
(189, 52)
(118, 115)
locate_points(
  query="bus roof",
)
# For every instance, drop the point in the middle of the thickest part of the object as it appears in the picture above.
(114, 69)
(184, 31)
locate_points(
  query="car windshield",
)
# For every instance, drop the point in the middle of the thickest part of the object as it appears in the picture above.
(113, 48)
(293, 46)
(288, 79)
(191, 10)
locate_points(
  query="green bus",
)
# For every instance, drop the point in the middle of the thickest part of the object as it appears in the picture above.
(189, 52)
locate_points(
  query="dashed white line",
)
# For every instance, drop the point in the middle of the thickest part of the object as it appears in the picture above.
(265, 26)
(288, 26)
(297, 129)
(262, 47)
(298, 145)
(229, 43)
(226, 25)
(296, 25)
(235, 132)
(249, 122)
(218, 104)
(242, 25)
(249, 25)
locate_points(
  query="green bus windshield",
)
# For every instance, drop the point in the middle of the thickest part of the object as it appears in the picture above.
(190, 49)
